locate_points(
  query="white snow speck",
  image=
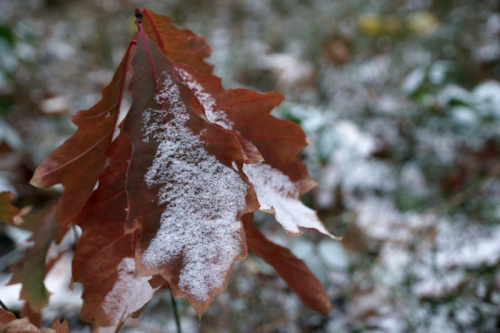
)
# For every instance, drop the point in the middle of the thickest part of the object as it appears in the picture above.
(213, 114)
(279, 195)
(203, 198)
(128, 295)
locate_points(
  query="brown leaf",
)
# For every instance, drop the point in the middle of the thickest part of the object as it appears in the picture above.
(282, 178)
(183, 47)
(82, 157)
(10, 324)
(33, 316)
(177, 182)
(185, 199)
(291, 269)
(178, 45)
(6, 316)
(60, 327)
(103, 260)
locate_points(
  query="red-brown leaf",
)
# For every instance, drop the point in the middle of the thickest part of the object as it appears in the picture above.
(182, 47)
(6, 316)
(294, 271)
(82, 157)
(60, 327)
(33, 316)
(9, 323)
(282, 178)
(177, 183)
(178, 45)
(103, 260)
(248, 112)
(184, 197)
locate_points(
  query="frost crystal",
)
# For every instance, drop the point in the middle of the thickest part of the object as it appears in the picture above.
(128, 295)
(202, 196)
(278, 194)
(214, 115)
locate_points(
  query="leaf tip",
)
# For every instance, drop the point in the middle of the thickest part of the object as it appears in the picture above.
(138, 13)
(37, 179)
(327, 309)
(337, 238)
(18, 219)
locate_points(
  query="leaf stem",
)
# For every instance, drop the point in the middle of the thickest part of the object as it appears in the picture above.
(176, 313)
(148, 53)
(144, 37)
(138, 15)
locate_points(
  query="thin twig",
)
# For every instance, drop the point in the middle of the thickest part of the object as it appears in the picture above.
(277, 323)
(470, 191)
(139, 325)
(176, 313)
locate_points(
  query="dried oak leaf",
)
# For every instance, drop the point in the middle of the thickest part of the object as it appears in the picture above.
(178, 45)
(185, 199)
(9, 323)
(291, 269)
(104, 256)
(281, 179)
(82, 156)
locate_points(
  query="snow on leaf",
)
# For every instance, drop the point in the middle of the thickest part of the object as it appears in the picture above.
(129, 294)
(184, 48)
(185, 199)
(248, 112)
(291, 269)
(30, 270)
(214, 114)
(103, 260)
(282, 178)
(278, 195)
(82, 155)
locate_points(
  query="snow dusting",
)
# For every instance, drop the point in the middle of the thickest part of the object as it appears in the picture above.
(213, 114)
(276, 193)
(202, 196)
(279, 195)
(128, 295)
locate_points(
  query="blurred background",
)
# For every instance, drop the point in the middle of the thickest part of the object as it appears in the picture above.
(402, 101)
